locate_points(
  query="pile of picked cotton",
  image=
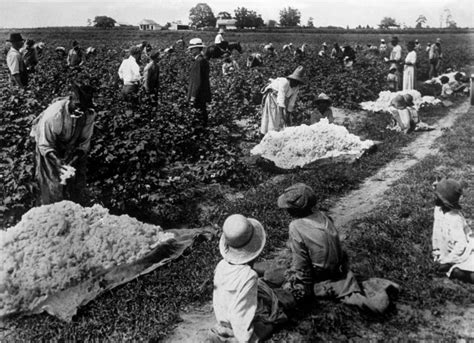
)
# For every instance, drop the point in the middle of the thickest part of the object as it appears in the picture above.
(57, 246)
(298, 146)
(382, 104)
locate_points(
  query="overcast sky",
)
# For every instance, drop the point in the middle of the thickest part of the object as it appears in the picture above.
(36, 13)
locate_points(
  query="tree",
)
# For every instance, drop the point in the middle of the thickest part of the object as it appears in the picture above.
(247, 18)
(89, 22)
(386, 22)
(310, 22)
(271, 23)
(104, 21)
(224, 15)
(201, 16)
(450, 23)
(420, 21)
(290, 17)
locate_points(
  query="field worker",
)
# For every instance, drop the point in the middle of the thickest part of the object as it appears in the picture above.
(417, 46)
(440, 53)
(269, 49)
(219, 40)
(151, 74)
(453, 239)
(409, 71)
(396, 57)
(324, 50)
(383, 46)
(63, 134)
(433, 57)
(279, 98)
(199, 89)
(428, 47)
(322, 110)
(15, 63)
(319, 266)
(129, 73)
(336, 52)
(229, 65)
(246, 308)
(74, 57)
(411, 108)
(401, 117)
(30, 56)
(392, 78)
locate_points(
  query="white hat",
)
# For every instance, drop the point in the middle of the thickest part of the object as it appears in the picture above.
(382, 40)
(221, 30)
(196, 43)
(242, 239)
(324, 44)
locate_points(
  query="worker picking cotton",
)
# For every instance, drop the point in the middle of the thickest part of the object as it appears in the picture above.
(322, 110)
(452, 239)
(279, 99)
(245, 307)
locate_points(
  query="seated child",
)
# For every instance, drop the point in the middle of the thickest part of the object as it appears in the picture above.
(392, 79)
(401, 116)
(319, 266)
(323, 109)
(245, 307)
(446, 89)
(453, 239)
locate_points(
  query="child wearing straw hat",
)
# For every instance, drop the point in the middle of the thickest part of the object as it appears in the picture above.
(279, 98)
(453, 239)
(245, 307)
(322, 110)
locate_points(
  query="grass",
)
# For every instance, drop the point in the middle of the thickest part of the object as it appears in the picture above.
(146, 308)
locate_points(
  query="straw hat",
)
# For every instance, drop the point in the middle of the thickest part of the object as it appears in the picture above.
(15, 37)
(299, 196)
(449, 191)
(242, 239)
(323, 97)
(297, 74)
(399, 102)
(196, 43)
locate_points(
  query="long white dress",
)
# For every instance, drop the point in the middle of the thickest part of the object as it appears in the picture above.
(277, 94)
(409, 71)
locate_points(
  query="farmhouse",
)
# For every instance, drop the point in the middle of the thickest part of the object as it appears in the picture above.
(227, 24)
(148, 24)
(178, 26)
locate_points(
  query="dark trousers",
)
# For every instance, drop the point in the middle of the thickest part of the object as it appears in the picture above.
(201, 112)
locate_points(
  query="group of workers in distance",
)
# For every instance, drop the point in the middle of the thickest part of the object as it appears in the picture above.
(251, 299)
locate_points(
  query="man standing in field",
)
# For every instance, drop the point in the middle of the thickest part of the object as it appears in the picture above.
(199, 90)
(16, 65)
(129, 73)
(74, 57)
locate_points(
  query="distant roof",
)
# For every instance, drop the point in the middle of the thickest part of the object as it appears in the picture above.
(148, 22)
(226, 21)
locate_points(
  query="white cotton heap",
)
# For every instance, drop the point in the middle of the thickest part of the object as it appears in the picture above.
(57, 246)
(382, 104)
(450, 77)
(298, 146)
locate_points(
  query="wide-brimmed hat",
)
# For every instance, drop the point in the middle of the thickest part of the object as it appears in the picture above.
(298, 196)
(393, 66)
(297, 74)
(449, 191)
(15, 37)
(382, 40)
(408, 99)
(85, 93)
(323, 98)
(221, 30)
(242, 239)
(196, 43)
(399, 102)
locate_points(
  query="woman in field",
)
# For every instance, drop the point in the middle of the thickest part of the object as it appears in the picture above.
(453, 239)
(279, 98)
(409, 76)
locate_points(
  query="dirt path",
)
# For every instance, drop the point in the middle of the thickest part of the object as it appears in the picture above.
(197, 321)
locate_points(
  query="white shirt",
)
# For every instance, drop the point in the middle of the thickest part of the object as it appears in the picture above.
(235, 298)
(14, 61)
(411, 58)
(129, 71)
(453, 240)
(396, 53)
(286, 96)
(219, 39)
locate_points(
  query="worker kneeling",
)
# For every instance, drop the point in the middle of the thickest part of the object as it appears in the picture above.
(319, 265)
